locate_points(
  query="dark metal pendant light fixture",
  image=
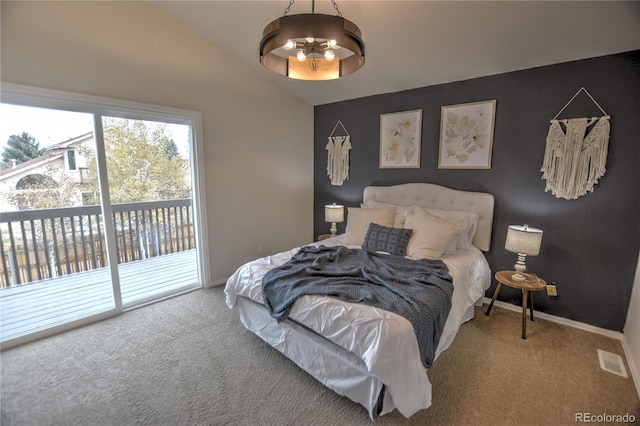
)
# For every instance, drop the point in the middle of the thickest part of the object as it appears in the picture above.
(312, 46)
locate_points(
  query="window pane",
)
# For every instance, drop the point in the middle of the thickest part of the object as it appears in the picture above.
(149, 176)
(53, 263)
(71, 159)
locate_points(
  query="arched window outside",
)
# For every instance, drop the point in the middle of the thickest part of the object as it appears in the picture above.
(36, 181)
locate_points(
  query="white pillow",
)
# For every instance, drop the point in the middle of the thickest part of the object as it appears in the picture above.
(358, 221)
(466, 220)
(401, 211)
(431, 236)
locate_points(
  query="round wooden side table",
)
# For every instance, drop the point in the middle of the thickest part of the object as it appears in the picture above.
(528, 286)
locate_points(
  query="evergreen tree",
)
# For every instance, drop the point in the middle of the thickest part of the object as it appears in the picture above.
(170, 148)
(21, 148)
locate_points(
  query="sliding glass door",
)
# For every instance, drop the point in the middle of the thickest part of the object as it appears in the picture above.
(150, 187)
(99, 209)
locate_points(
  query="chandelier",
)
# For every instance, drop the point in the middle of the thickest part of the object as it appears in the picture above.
(312, 46)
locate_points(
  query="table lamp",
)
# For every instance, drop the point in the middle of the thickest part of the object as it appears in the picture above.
(525, 241)
(334, 214)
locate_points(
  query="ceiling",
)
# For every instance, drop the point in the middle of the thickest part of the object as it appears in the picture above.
(412, 44)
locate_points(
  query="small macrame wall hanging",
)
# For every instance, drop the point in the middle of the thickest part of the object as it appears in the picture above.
(576, 154)
(338, 148)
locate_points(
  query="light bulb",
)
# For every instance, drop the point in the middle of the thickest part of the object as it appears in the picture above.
(309, 39)
(301, 56)
(332, 44)
(329, 55)
(290, 44)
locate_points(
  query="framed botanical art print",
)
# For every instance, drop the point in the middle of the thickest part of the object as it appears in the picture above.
(400, 139)
(466, 135)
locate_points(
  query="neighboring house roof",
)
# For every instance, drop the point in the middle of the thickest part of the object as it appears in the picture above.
(30, 164)
(70, 142)
(53, 152)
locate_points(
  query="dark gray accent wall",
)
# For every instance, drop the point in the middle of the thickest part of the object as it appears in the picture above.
(590, 245)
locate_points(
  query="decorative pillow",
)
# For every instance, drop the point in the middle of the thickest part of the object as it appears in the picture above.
(358, 221)
(401, 211)
(431, 237)
(390, 240)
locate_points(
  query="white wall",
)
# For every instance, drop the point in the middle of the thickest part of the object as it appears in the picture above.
(631, 332)
(258, 139)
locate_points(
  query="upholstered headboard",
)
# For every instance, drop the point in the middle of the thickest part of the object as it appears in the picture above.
(439, 197)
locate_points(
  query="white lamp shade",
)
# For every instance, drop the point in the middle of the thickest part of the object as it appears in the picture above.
(334, 213)
(523, 239)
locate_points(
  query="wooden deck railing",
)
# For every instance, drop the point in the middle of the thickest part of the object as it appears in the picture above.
(46, 243)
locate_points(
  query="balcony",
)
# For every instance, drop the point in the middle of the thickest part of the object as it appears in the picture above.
(54, 268)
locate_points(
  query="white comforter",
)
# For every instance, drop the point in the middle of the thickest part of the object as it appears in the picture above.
(384, 341)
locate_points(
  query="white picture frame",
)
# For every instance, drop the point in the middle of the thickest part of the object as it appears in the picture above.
(400, 139)
(466, 135)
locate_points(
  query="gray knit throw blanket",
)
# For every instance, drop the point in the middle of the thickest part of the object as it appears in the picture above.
(419, 290)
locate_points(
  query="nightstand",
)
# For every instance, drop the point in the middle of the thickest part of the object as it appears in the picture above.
(323, 237)
(528, 286)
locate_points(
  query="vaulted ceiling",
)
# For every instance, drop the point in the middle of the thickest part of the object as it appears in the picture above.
(413, 44)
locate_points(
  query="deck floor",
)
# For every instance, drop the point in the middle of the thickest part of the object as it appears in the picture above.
(43, 304)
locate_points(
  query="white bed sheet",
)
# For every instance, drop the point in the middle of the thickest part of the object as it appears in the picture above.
(385, 342)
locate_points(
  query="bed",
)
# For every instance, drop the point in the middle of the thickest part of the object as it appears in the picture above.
(368, 354)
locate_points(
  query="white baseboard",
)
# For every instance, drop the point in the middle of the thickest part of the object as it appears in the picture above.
(216, 283)
(635, 374)
(581, 326)
(560, 320)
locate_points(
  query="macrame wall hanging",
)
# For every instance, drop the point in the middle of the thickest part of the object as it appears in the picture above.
(576, 154)
(338, 156)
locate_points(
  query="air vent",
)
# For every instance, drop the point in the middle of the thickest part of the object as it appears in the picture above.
(612, 363)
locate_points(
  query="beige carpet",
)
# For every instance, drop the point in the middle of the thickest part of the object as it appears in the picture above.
(188, 361)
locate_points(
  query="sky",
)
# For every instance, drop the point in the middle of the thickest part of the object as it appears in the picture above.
(45, 125)
(50, 126)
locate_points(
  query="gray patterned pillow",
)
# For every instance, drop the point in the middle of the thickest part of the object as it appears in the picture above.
(391, 240)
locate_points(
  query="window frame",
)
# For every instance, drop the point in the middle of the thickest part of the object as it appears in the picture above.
(102, 106)
(71, 160)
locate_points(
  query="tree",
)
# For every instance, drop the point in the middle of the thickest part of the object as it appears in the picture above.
(170, 149)
(21, 148)
(143, 163)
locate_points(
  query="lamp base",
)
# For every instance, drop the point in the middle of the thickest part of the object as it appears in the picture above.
(518, 277)
(520, 267)
(334, 229)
